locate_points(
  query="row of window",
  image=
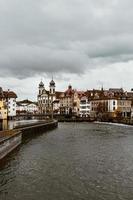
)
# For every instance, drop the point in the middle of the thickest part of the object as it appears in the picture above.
(4, 113)
(12, 106)
(84, 107)
(44, 101)
(13, 109)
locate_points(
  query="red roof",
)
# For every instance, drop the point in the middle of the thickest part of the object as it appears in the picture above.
(58, 94)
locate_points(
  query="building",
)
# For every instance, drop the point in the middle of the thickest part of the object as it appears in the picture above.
(111, 103)
(67, 101)
(10, 98)
(124, 106)
(3, 105)
(46, 98)
(56, 106)
(70, 101)
(85, 107)
(27, 107)
(76, 104)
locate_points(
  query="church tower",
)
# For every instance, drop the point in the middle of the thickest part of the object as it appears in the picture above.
(52, 87)
(41, 88)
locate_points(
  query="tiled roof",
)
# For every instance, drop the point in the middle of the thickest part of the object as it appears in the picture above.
(116, 90)
(9, 94)
(25, 101)
(58, 94)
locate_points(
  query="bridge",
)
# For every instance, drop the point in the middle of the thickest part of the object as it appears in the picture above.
(33, 116)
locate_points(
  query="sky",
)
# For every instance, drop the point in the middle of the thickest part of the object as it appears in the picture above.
(85, 43)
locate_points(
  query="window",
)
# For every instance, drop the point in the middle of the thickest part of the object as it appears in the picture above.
(83, 107)
(114, 103)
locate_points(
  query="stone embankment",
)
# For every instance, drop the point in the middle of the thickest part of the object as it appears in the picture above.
(36, 128)
(11, 139)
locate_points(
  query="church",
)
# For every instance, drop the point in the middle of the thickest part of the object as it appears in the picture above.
(46, 98)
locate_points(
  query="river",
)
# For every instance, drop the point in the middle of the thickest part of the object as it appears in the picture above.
(76, 161)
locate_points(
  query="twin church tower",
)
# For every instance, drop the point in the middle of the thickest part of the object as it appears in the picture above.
(46, 97)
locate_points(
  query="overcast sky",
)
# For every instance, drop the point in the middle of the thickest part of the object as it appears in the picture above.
(88, 43)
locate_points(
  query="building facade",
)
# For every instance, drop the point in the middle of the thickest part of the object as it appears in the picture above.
(66, 101)
(3, 106)
(85, 107)
(104, 106)
(27, 107)
(10, 98)
(46, 98)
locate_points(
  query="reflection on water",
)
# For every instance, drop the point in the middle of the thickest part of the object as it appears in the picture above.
(8, 125)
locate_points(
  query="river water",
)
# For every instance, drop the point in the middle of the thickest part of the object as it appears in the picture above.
(76, 161)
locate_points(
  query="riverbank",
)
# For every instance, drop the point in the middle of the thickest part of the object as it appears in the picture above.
(126, 121)
(11, 139)
(75, 120)
(37, 128)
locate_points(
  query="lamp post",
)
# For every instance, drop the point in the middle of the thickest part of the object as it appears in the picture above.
(52, 114)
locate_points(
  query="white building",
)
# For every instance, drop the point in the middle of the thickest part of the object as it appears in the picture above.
(112, 105)
(46, 97)
(27, 106)
(32, 108)
(85, 107)
(10, 97)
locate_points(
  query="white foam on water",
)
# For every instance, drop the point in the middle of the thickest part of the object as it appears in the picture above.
(115, 124)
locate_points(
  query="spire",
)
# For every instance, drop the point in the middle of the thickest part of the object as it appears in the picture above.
(69, 86)
(52, 83)
(102, 88)
(41, 84)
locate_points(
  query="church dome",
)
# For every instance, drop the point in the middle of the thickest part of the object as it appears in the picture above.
(41, 84)
(52, 83)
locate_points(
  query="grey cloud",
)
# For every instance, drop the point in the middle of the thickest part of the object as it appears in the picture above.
(23, 61)
(63, 36)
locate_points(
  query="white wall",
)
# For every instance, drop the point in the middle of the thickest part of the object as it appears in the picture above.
(85, 108)
(112, 105)
(32, 108)
(11, 104)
